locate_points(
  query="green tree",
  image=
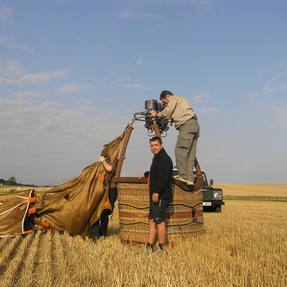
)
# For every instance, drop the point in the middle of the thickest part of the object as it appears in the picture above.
(12, 179)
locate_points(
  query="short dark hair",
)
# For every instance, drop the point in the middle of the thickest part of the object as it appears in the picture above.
(156, 138)
(165, 93)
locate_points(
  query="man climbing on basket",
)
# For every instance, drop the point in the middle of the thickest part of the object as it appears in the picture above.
(160, 181)
(179, 111)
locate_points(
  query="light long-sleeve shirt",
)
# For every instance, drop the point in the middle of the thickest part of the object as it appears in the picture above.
(178, 110)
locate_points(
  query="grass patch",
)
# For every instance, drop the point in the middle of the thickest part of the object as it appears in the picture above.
(256, 198)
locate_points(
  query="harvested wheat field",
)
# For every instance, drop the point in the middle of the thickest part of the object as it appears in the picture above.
(270, 190)
(245, 245)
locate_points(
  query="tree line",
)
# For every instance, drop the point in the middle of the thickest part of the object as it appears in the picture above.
(12, 181)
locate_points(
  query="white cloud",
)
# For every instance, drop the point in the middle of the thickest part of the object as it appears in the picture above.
(14, 69)
(59, 91)
(71, 88)
(88, 106)
(6, 14)
(200, 97)
(21, 116)
(280, 115)
(251, 97)
(136, 86)
(28, 94)
(52, 140)
(13, 45)
(277, 84)
(6, 18)
(261, 72)
(138, 12)
(7, 81)
(199, 3)
(139, 62)
(129, 14)
(202, 3)
(208, 110)
(126, 14)
(276, 112)
(274, 88)
(11, 73)
(129, 83)
(44, 77)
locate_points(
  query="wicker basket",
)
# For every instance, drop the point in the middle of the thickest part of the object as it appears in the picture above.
(185, 215)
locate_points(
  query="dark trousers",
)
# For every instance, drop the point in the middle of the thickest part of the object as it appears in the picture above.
(100, 228)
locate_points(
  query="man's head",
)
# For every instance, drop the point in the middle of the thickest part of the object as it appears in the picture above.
(155, 145)
(164, 97)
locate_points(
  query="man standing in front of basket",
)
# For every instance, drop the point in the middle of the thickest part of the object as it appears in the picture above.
(160, 181)
(179, 111)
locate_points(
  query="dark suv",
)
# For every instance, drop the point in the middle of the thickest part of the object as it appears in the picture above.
(212, 197)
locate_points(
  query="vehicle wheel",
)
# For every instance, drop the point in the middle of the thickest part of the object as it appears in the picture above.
(217, 209)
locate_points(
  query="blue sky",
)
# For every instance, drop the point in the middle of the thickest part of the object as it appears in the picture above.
(72, 73)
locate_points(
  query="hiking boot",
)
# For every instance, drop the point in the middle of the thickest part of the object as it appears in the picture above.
(149, 248)
(178, 177)
(161, 248)
(189, 182)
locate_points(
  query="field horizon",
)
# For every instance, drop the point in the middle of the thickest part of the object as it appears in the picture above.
(258, 189)
(278, 189)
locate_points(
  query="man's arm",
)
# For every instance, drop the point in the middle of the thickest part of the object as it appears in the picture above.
(155, 197)
(108, 167)
(169, 109)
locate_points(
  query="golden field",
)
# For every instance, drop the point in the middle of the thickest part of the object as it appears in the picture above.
(277, 190)
(245, 245)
